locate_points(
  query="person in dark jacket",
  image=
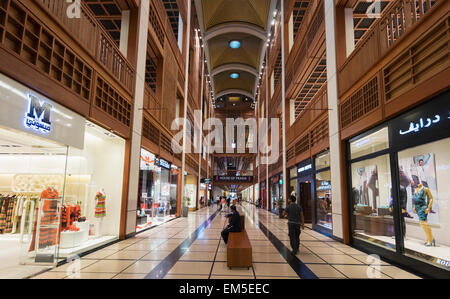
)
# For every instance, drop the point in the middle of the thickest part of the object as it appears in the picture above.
(295, 219)
(234, 226)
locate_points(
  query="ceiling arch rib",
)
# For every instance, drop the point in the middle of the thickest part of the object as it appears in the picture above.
(235, 67)
(234, 28)
(234, 91)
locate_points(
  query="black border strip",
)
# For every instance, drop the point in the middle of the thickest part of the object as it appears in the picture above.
(297, 265)
(160, 271)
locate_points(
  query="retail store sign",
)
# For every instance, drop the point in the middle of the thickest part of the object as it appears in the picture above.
(38, 115)
(415, 127)
(428, 121)
(26, 110)
(304, 168)
(164, 163)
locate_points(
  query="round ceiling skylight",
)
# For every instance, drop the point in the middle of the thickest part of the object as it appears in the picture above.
(234, 76)
(235, 44)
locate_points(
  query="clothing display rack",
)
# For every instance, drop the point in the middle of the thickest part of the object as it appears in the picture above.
(12, 210)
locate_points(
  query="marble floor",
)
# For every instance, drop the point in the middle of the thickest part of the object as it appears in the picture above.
(191, 248)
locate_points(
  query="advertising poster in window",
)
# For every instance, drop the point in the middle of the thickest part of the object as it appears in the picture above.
(414, 171)
(367, 189)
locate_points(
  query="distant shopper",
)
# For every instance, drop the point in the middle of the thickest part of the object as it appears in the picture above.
(295, 218)
(234, 226)
(223, 202)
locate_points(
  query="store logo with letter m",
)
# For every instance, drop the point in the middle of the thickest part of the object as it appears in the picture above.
(38, 116)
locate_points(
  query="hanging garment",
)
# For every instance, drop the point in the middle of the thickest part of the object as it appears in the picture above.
(47, 236)
(75, 213)
(9, 214)
(100, 208)
(3, 211)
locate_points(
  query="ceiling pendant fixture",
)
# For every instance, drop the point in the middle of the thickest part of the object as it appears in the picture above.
(235, 44)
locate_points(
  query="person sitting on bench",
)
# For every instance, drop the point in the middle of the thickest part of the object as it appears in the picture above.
(234, 226)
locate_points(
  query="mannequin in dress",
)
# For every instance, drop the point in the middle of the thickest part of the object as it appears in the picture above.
(423, 209)
(100, 210)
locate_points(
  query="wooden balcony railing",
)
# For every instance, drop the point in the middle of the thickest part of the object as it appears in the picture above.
(398, 18)
(89, 33)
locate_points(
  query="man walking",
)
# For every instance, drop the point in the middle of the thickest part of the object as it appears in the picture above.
(234, 226)
(295, 218)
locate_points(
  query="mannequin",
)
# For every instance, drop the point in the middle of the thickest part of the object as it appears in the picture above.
(100, 210)
(423, 209)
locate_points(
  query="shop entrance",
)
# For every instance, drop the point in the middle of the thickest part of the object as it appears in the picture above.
(305, 200)
(29, 220)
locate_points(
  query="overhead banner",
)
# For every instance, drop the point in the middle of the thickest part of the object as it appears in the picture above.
(233, 179)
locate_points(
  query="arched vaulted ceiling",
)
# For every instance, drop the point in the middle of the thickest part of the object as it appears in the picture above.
(246, 21)
(248, 54)
(217, 12)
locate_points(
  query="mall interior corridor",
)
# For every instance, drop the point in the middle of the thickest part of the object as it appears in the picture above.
(191, 248)
(125, 123)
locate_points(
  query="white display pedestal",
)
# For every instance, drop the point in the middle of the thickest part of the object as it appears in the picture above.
(70, 239)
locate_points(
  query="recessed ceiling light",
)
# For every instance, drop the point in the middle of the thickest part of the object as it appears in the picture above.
(234, 76)
(235, 44)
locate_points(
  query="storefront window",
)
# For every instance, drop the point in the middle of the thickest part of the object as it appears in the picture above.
(417, 200)
(323, 161)
(147, 190)
(323, 191)
(292, 188)
(157, 196)
(277, 193)
(164, 199)
(190, 191)
(293, 172)
(323, 199)
(369, 144)
(93, 192)
(173, 190)
(424, 200)
(32, 172)
(371, 197)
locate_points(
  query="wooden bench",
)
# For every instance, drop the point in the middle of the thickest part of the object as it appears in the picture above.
(239, 249)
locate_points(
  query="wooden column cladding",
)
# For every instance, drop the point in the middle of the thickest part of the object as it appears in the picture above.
(160, 101)
(71, 61)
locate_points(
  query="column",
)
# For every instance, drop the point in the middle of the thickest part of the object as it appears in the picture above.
(338, 172)
(135, 151)
(124, 30)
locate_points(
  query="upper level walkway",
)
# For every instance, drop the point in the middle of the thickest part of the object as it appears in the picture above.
(191, 248)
